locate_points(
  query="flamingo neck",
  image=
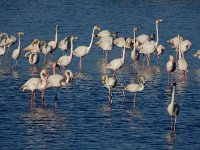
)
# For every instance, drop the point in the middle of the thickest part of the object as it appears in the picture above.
(179, 47)
(123, 57)
(173, 94)
(134, 41)
(56, 35)
(71, 49)
(91, 40)
(19, 44)
(67, 78)
(4, 46)
(44, 82)
(157, 35)
(54, 69)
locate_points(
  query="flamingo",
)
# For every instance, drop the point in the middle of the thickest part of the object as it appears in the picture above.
(57, 80)
(10, 40)
(63, 44)
(109, 83)
(185, 46)
(135, 54)
(33, 47)
(3, 49)
(65, 60)
(159, 51)
(171, 66)
(34, 84)
(103, 34)
(119, 42)
(106, 44)
(54, 43)
(151, 46)
(33, 58)
(134, 88)
(16, 52)
(117, 63)
(141, 39)
(81, 51)
(173, 108)
(197, 54)
(46, 49)
(182, 63)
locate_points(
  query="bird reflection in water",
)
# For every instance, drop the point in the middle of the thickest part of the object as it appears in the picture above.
(171, 137)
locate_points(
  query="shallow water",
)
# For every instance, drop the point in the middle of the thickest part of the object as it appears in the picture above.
(83, 119)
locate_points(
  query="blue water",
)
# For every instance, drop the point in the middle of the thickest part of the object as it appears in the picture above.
(83, 119)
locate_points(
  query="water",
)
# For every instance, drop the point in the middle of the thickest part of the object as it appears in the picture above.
(83, 119)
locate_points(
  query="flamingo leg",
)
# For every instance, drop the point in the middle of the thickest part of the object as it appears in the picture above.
(16, 64)
(7, 52)
(32, 70)
(45, 59)
(171, 122)
(80, 63)
(56, 99)
(31, 103)
(43, 103)
(34, 99)
(175, 123)
(134, 100)
(106, 57)
(0, 60)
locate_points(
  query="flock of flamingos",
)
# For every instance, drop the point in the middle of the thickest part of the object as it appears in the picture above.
(141, 45)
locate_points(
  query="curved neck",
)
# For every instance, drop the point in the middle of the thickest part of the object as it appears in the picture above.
(91, 40)
(71, 49)
(173, 93)
(157, 36)
(67, 78)
(123, 57)
(56, 35)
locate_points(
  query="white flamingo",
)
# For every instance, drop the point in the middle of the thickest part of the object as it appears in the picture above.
(134, 88)
(173, 108)
(151, 46)
(54, 43)
(57, 80)
(135, 54)
(106, 44)
(103, 34)
(159, 51)
(171, 67)
(16, 53)
(117, 63)
(141, 39)
(63, 44)
(34, 84)
(182, 63)
(33, 47)
(10, 40)
(119, 42)
(81, 51)
(33, 59)
(46, 49)
(3, 49)
(109, 83)
(65, 60)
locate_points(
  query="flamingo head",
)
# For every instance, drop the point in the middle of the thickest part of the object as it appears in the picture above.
(171, 58)
(20, 34)
(135, 29)
(159, 21)
(57, 26)
(96, 28)
(103, 79)
(108, 66)
(74, 38)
